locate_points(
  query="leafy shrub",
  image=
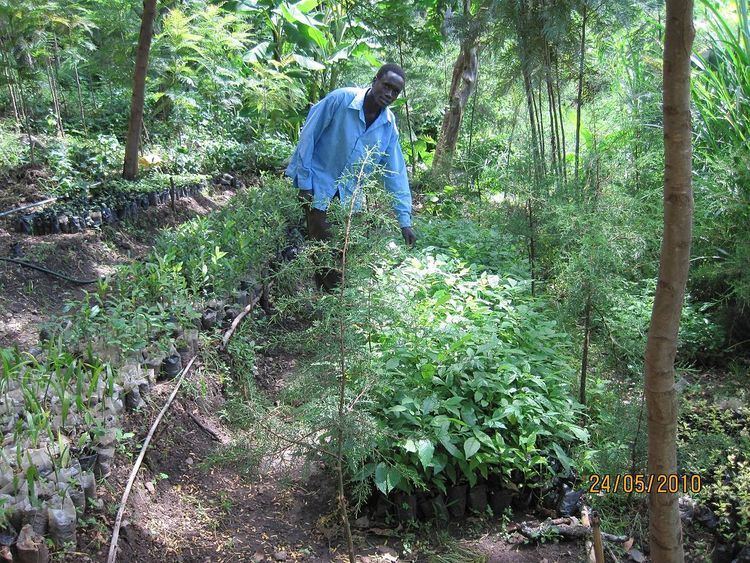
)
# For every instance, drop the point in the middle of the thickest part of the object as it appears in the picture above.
(12, 151)
(628, 314)
(270, 150)
(474, 381)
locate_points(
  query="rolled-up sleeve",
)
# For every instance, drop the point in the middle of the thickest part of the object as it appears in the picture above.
(318, 118)
(396, 180)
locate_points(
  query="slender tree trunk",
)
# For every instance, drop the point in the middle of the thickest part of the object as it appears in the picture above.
(585, 353)
(665, 532)
(80, 97)
(551, 111)
(584, 15)
(55, 99)
(471, 131)
(60, 95)
(532, 117)
(532, 243)
(540, 128)
(563, 148)
(12, 96)
(408, 118)
(130, 166)
(512, 134)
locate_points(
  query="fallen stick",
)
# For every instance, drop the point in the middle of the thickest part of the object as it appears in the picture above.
(205, 428)
(568, 530)
(237, 320)
(134, 472)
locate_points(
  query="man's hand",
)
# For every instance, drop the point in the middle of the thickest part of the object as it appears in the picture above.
(409, 237)
(305, 197)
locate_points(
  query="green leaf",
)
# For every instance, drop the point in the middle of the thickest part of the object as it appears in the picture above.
(386, 478)
(429, 404)
(563, 457)
(410, 446)
(307, 62)
(579, 432)
(316, 35)
(392, 363)
(448, 445)
(471, 447)
(305, 6)
(425, 451)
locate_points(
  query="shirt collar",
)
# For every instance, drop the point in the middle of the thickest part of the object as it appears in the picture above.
(358, 103)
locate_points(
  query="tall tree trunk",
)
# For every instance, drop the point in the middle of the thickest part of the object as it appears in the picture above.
(12, 96)
(586, 342)
(665, 533)
(408, 118)
(462, 85)
(584, 15)
(60, 95)
(512, 134)
(80, 97)
(540, 128)
(563, 148)
(130, 166)
(552, 113)
(471, 134)
(55, 99)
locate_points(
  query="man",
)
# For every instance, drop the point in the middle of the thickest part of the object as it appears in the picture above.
(338, 133)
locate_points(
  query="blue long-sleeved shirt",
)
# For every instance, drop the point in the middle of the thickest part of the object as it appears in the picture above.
(332, 145)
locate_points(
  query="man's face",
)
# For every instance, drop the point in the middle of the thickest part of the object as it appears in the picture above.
(386, 89)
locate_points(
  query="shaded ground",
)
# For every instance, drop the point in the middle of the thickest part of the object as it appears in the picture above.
(28, 297)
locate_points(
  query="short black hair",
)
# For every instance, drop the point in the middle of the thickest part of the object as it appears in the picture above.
(390, 67)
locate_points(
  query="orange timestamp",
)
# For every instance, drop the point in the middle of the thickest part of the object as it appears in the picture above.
(639, 483)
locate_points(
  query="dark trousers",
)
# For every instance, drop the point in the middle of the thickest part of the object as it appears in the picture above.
(318, 228)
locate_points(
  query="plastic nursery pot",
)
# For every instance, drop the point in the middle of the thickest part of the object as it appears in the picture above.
(62, 220)
(40, 225)
(171, 366)
(25, 224)
(88, 460)
(75, 225)
(208, 319)
(500, 500)
(457, 500)
(54, 225)
(478, 498)
(107, 216)
(406, 507)
(425, 508)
